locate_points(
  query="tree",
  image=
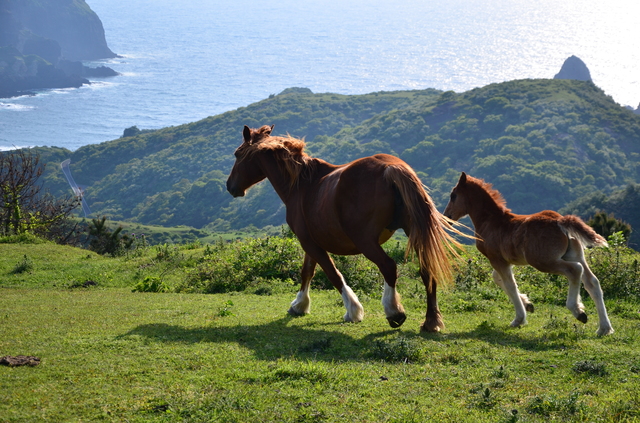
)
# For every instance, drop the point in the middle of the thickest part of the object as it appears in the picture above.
(606, 225)
(104, 241)
(25, 207)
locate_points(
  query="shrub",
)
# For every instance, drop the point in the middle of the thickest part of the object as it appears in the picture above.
(399, 350)
(23, 238)
(150, 284)
(360, 273)
(236, 266)
(26, 265)
(617, 268)
(551, 405)
(590, 367)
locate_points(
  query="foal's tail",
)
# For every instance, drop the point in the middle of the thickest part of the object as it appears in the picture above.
(428, 236)
(575, 227)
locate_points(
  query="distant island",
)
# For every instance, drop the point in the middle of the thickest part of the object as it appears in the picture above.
(42, 44)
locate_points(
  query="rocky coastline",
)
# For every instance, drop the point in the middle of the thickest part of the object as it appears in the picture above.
(38, 51)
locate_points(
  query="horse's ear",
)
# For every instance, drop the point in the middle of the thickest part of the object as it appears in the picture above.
(246, 134)
(463, 178)
(269, 131)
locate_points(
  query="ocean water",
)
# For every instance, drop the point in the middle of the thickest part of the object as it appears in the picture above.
(185, 60)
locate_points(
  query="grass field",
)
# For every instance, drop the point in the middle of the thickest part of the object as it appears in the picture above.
(114, 355)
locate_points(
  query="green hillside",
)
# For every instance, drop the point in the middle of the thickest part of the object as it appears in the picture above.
(542, 143)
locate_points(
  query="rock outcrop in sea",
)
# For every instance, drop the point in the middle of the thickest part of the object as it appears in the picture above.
(43, 41)
(574, 68)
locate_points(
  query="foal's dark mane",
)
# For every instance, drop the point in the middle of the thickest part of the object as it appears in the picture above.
(493, 193)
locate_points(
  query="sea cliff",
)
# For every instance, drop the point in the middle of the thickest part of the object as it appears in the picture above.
(42, 43)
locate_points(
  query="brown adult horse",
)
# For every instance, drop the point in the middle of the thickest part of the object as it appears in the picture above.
(548, 241)
(348, 209)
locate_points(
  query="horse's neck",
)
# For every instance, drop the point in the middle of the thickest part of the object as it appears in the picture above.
(486, 212)
(282, 181)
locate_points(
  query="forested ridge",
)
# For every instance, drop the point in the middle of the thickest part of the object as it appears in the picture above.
(542, 143)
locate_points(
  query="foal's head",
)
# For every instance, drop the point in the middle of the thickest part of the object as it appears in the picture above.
(245, 173)
(471, 192)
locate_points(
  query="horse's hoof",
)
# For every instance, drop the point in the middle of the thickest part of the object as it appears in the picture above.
(430, 328)
(397, 320)
(582, 317)
(529, 307)
(432, 324)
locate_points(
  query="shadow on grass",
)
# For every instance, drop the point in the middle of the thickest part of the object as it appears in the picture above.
(268, 341)
(278, 339)
(517, 337)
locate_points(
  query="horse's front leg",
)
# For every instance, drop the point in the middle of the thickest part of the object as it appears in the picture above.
(528, 305)
(433, 319)
(503, 276)
(302, 304)
(355, 311)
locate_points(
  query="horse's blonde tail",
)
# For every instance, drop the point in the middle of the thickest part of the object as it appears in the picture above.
(575, 227)
(428, 236)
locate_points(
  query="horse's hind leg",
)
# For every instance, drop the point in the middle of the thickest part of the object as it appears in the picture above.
(302, 304)
(433, 319)
(592, 285)
(393, 309)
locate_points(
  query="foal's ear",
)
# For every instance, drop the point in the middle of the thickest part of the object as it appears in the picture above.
(246, 134)
(463, 178)
(269, 131)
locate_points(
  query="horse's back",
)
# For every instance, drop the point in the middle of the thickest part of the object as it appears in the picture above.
(353, 200)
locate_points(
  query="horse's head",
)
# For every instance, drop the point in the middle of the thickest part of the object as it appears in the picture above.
(457, 208)
(247, 172)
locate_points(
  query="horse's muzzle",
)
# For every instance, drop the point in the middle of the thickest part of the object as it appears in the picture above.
(234, 191)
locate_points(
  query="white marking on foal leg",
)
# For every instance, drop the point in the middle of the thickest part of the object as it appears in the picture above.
(526, 302)
(574, 303)
(528, 305)
(508, 284)
(592, 285)
(302, 304)
(355, 312)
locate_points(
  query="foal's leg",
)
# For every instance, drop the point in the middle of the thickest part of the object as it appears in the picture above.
(570, 267)
(592, 285)
(301, 305)
(503, 276)
(528, 305)
(393, 309)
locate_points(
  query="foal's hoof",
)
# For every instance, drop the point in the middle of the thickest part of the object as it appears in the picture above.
(605, 331)
(397, 320)
(529, 308)
(582, 317)
(295, 313)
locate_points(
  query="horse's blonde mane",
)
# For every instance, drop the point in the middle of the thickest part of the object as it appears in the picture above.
(493, 193)
(289, 151)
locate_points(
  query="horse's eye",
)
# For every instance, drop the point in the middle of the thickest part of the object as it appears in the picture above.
(453, 196)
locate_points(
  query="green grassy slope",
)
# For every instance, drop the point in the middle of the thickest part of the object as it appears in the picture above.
(542, 143)
(111, 354)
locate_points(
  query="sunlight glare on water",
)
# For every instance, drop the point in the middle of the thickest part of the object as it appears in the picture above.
(184, 61)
